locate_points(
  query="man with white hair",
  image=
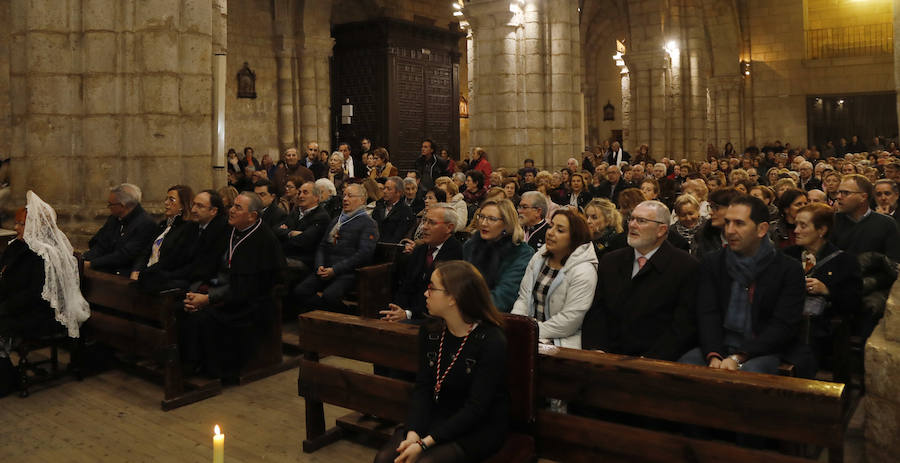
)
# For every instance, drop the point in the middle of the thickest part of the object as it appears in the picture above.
(126, 233)
(349, 243)
(572, 164)
(643, 304)
(438, 245)
(807, 180)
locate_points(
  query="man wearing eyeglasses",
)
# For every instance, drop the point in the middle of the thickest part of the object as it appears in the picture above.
(859, 229)
(532, 212)
(438, 245)
(349, 243)
(126, 233)
(643, 304)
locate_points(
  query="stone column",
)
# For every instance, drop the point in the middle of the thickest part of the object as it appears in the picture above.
(882, 399)
(649, 90)
(285, 14)
(110, 91)
(313, 77)
(525, 100)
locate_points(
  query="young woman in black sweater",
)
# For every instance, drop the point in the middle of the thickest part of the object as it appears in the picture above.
(459, 409)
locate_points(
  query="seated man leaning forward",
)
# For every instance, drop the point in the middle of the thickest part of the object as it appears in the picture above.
(127, 231)
(438, 245)
(228, 315)
(349, 243)
(749, 297)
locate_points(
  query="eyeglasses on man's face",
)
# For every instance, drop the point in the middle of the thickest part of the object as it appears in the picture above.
(643, 221)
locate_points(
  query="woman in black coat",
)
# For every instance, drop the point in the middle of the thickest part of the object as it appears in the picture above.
(833, 279)
(23, 311)
(459, 410)
(171, 246)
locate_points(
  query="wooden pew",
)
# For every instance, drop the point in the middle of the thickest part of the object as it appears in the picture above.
(394, 345)
(146, 326)
(786, 409)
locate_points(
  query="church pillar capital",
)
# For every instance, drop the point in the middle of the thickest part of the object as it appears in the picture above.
(644, 61)
(488, 14)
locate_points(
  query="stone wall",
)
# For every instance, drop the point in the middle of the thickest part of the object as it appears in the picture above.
(252, 122)
(782, 77)
(882, 399)
(109, 91)
(5, 110)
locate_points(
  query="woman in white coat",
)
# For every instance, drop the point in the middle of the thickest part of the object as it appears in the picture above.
(559, 283)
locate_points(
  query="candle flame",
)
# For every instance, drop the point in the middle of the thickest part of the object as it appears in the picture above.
(217, 430)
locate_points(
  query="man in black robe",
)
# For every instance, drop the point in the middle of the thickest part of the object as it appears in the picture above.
(228, 315)
(126, 233)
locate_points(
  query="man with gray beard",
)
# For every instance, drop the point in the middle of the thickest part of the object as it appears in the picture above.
(643, 305)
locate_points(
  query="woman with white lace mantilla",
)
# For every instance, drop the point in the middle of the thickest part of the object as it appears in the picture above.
(459, 408)
(38, 282)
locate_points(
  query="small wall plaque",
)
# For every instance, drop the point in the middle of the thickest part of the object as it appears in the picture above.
(246, 82)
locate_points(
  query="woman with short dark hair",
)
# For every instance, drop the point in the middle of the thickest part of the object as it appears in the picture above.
(459, 410)
(781, 231)
(833, 281)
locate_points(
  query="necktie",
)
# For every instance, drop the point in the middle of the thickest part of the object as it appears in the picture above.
(429, 258)
(642, 261)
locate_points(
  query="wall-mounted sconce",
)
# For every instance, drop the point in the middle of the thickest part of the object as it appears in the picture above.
(745, 68)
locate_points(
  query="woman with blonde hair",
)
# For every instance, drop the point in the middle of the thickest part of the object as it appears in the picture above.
(455, 199)
(604, 221)
(498, 250)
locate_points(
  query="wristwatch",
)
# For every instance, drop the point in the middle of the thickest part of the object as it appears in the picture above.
(737, 360)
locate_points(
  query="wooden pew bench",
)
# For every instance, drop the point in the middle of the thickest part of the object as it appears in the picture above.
(394, 345)
(785, 409)
(146, 326)
(781, 408)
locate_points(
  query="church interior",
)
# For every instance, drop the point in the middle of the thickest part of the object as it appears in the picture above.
(154, 93)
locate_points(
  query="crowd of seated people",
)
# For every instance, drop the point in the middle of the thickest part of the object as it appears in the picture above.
(736, 261)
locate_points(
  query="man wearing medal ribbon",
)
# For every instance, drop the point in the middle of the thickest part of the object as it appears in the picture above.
(349, 243)
(227, 315)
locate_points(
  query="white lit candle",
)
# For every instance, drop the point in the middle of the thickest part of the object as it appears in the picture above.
(218, 446)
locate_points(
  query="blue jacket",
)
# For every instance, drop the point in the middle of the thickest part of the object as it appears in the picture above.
(354, 246)
(502, 264)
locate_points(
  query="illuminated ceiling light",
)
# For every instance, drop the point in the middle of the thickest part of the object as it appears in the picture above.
(457, 13)
(840, 102)
(457, 6)
(620, 62)
(672, 48)
(618, 55)
(464, 24)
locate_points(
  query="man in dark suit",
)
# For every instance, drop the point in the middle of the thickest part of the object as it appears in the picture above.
(644, 302)
(393, 216)
(749, 296)
(127, 232)
(271, 215)
(312, 162)
(612, 186)
(206, 233)
(616, 155)
(438, 245)
(303, 231)
(353, 163)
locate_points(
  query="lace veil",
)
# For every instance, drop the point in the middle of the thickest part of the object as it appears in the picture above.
(61, 280)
